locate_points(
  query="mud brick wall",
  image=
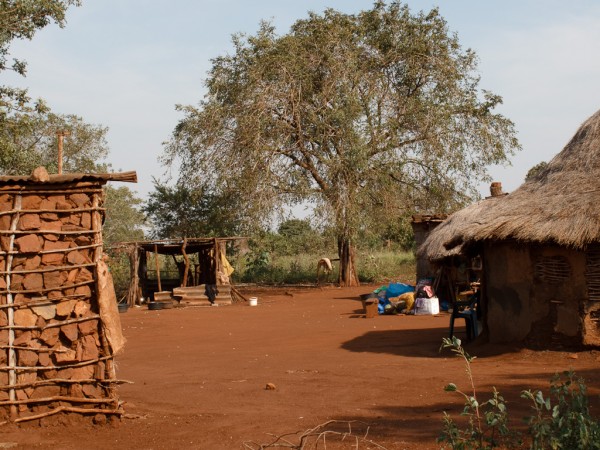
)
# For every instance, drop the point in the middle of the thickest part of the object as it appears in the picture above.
(53, 355)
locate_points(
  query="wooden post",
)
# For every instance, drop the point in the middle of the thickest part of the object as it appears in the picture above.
(61, 136)
(12, 355)
(156, 262)
(187, 263)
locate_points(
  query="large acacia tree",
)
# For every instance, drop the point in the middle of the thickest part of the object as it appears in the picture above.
(363, 115)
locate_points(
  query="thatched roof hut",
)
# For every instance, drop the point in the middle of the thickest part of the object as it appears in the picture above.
(559, 204)
(540, 246)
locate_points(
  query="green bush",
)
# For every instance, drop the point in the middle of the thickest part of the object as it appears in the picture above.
(566, 425)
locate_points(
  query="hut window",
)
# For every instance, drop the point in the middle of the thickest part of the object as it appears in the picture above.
(552, 269)
(592, 272)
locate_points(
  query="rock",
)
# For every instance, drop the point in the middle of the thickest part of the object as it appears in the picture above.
(70, 331)
(84, 291)
(92, 391)
(80, 199)
(82, 373)
(88, 327)
(99, 419)
(81, 308)
(55, 296)
(25, 317)
(29, 222)
(84, 275)
(31, 202)
(86, 221)
(3, 318)
(40, 174)
(50, 336)
(270, 387)
(44, 359)
(5, 220)
(46, 311)
(29, 243)
(75, 390)
(45, 392)
(76, 258)
(27, 358)
(34, 282)
(65, 308)
(62, 205)
(33, 262)
(89, 349)
(65, 355)
(22, 338)
(52, 279)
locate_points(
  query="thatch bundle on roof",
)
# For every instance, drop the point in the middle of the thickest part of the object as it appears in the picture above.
(558, 205)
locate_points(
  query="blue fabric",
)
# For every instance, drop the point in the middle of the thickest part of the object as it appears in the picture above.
(397, 289)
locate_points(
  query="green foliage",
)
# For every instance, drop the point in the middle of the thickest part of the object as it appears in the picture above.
(566, 425)
(21, 19)
(29, 140)
(178, 211)
(124, 221)
(487, 422)
(368, 116)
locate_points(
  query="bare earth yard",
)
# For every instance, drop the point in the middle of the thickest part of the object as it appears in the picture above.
(199, 376)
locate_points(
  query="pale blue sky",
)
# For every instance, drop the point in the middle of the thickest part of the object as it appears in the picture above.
(126, 63)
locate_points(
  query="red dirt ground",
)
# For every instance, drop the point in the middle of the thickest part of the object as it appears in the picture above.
(199, 376)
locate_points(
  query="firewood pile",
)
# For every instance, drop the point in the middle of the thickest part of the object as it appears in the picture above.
(59, 325)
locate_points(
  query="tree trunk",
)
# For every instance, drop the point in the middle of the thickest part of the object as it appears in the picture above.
(348, 275)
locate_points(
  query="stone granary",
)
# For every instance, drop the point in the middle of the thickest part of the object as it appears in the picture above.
(59, 324)
(540, 249)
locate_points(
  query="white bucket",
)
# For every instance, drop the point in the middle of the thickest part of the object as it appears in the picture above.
(252, 301)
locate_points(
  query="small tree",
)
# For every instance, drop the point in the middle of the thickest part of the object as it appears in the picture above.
(365, 115)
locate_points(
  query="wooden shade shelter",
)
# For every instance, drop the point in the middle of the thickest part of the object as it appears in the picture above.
(203, 262)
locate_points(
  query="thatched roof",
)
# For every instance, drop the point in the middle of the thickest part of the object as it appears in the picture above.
(102, 178)
(558, 205)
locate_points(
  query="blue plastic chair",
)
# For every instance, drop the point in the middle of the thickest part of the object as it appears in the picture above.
(466, 310)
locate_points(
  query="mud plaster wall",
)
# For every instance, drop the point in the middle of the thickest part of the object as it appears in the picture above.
(521, 304)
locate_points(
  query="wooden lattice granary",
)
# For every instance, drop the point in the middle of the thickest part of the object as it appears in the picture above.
(59, 324)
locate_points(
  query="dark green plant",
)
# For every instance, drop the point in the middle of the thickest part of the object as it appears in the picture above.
(566, 425)
(487, 425)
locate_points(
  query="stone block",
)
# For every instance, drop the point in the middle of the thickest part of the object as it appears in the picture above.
(89, 327)
(64, 355)
(31, 202)
(45, 392)
(33, 262)
(25, 317)
(87, 348)
(33, 282)
(81, 200)
(27, 358)
(30, 222)
(52, 279)
(76, 258)
(92, 391)
(65, 308)
(50, 336)
(62, 205)
(86, 221)
(83, 373)
(84, 291)
(3, 318)
(46, 311)
(70, 331)
(44, 359)
(30, 243)
(22, 337)
(82, 308)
